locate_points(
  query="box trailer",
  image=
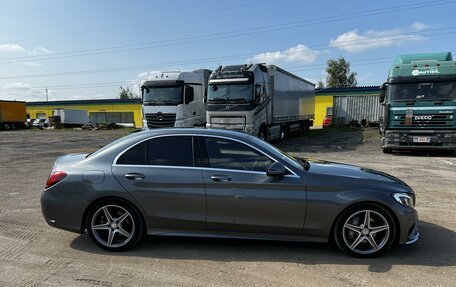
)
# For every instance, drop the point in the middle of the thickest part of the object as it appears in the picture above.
(71, 117)
(12, 114)
(260, 99)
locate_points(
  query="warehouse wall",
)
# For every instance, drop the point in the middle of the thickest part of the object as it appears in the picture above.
(46, 110)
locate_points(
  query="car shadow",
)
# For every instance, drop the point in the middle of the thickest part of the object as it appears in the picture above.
(436, 247)
(325, 141)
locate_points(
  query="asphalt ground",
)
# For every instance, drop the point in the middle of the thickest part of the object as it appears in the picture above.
(35, 254)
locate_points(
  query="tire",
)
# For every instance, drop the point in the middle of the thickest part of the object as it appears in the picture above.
(387, 150)
(354, 238)
(263, 134)
(283, 133)
(119, 229)
(6, 126)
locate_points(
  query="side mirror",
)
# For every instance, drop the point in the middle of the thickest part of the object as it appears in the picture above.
(189, 95)
(383, 92)
(276, 169)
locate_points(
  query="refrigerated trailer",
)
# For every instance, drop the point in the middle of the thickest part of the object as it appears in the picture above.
(12, 114)
(263, 100)
(72, 117)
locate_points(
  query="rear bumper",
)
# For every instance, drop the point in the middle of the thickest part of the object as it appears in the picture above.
(419, 139)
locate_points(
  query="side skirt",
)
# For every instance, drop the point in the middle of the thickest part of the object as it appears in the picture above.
(234, 235)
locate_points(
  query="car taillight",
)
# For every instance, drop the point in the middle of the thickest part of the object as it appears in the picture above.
(55, 177)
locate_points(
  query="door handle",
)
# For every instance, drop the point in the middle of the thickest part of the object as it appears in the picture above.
(241, 196)
(220, 178)
(135, 176)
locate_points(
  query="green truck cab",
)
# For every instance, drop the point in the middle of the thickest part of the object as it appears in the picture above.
(419, 103)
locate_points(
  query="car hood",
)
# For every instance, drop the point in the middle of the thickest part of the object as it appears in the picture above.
(349, 172)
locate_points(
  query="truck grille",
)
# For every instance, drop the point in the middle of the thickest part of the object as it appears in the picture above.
(160, 120)
(427, 120)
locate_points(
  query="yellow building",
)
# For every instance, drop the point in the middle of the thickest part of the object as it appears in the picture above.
(324, 99)
(127, 111)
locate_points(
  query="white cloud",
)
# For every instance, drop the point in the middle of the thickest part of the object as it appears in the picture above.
(354, 41)
(10, 48)
(21, 92)
(297, 54)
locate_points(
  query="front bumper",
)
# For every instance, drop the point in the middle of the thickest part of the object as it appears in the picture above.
(408, 225)
(419, 140)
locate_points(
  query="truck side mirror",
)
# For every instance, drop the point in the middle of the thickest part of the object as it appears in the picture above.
(189, 95)
(258, 93)
(383, 92)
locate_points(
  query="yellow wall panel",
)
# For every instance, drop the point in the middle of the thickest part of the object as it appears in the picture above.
(321, 103)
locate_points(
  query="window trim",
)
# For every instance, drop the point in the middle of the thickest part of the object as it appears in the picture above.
(293, 174)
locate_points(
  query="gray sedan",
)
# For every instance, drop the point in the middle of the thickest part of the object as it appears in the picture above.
(218, 183)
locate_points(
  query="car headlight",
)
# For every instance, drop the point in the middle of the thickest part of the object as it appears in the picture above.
(404, 199)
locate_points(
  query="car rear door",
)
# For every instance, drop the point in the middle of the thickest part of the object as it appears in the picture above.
(241, 197)
(160, 174)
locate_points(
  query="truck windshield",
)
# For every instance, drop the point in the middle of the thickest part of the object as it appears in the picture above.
(162, 96)
(230, 93)
(429, 91)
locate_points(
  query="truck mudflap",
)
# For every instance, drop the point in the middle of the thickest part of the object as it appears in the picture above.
(415, 140)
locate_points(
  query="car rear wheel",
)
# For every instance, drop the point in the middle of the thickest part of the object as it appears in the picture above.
(365, 231)
(114, 225)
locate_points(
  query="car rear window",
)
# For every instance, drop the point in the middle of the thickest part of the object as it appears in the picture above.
(134, 156)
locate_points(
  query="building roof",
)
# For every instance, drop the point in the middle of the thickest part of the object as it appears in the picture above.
(348, 91)
(85, 102)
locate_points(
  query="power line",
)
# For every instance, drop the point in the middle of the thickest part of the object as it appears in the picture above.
(140, 23)
(239, 56)
(237, 33)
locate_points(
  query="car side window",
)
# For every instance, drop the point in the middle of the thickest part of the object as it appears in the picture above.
(134, 156)
(228, 154)
(170, 151)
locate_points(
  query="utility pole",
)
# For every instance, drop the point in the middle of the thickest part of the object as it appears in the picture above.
(47, 98)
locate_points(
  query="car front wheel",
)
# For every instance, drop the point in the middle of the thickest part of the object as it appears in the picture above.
(365, 231)
(114, 225)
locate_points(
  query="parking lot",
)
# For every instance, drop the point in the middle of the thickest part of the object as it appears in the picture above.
(34, 254)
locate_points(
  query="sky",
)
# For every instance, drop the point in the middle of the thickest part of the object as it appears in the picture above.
(87, 49)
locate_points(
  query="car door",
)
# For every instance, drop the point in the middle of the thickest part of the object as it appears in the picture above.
(160, 174)
(241, 197)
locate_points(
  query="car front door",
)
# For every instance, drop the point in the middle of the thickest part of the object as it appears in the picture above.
(241, 197)
(160, 174)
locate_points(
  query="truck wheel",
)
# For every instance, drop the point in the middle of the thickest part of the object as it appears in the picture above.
(6, 126)
(283, 133)
(263, 134)
(387, 150)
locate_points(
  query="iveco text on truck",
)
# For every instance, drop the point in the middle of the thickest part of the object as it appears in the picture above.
(174, 99)
(263, 100)
(419, 103)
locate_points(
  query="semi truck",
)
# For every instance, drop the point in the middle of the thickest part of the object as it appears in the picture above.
(12, 114)
(263, 100)
(174, 99)
(71, 117)
(418, 103)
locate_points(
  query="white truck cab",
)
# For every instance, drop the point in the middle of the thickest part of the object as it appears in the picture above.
(174, 99)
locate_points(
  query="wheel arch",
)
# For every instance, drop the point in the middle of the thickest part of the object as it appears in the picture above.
(100, 199)
(387, 208)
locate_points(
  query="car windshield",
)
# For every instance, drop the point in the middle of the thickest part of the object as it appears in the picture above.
(232, 93)
(163, 95)
(429, 91)
(297, 163)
